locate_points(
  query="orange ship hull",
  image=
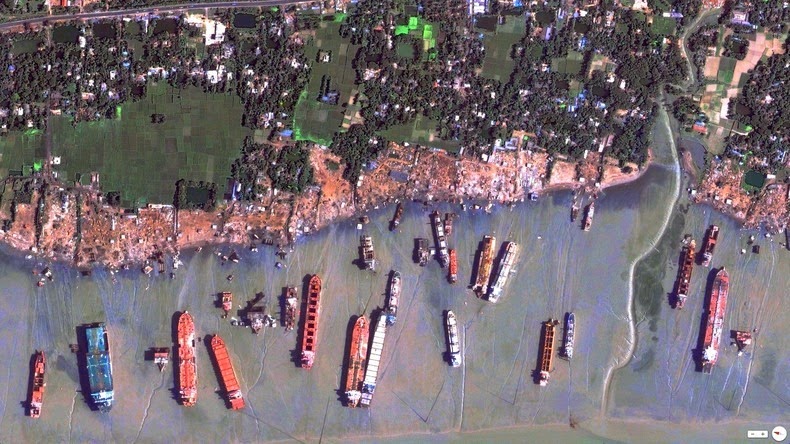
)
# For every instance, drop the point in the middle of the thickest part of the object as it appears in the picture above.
(227, 375)
(37, 393)
(684, 275)
(358, 352)
(310, 330)
(187, 369)
(453, 274)
(717, 306)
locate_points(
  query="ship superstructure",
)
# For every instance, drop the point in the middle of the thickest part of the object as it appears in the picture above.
(374, 361)
(509, 256)
(358, 353)
(714, 325)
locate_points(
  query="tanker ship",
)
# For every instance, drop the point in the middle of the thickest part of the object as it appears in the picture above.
(484, 266)
(711, 237)
(374, 361)
(394, 298)
(187, 369)
(99, 363)
(310, 329)
(37, 392)
(505, 267)
(715, 322)
(684, 274)
(227, 375)
(358, 352)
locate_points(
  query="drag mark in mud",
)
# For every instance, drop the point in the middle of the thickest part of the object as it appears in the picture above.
(632, 337)
(148, 407)
(71, 413)
(8, 378)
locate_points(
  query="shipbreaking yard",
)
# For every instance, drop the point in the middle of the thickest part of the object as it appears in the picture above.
(562, 269)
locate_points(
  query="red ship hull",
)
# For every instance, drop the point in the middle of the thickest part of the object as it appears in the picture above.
(310, 330)
(714, 326)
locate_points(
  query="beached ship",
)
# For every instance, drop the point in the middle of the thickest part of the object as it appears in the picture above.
(422, 253)
(484, 266)
(684, 274)
(509, 255)
(394, 298)
(547, 352)
(358, 353)
(742, 339)
(448, 223)
(310, 329)
(452, 274)
(570, 332)
(291, 302)
(453, 341)
(256, 316)
(37, 391)
(441, 240)
(711, 237)
(588, 216)
(99, 363)
(717, 307)
(368, 255)
(396, 218)
(374, 360)
(161, 357)
(227, 302)
(574, 211)
(187, 369)
(227, 375)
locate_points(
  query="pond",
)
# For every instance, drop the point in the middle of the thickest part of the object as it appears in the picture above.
(754, 178)
(244, 21)
(166, 25)
(65, 34)
(25, 46)
(743, 110)
(487, 22)
(545, 17)
(696, 149)
(581, 28)
(104, 30)
(133, 29)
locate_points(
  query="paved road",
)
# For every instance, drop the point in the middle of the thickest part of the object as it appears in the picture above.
(145, 10)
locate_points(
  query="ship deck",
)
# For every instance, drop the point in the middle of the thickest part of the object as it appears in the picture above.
(98, 360)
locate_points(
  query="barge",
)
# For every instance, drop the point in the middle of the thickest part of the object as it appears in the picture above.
(368, 255)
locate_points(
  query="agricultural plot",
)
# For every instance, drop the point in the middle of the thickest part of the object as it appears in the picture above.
(497, 64)
(664, 25)
(198, 140)
(726, 70)
(423, 132)
(20, 152)
(315, 120)
(571, 64)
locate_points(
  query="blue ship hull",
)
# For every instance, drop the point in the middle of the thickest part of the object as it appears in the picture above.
(99, 366)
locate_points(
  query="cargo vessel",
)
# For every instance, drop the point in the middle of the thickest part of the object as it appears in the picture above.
(547, 352)
(570, 331)
(161, 357)
(574, 211)
(715, 320)
(291, 302)
(441, 240)
(453, 341)
(484, 266)
(368, 255)
(99, 363)
(422, 254)
(37, 391)
(452, 274)
(374, 361)
(310, 329)
(711, 237)
(394, 298)
(448, 223)
(588, 216)
(256, 316)
(396, 219)
(227, 376)
(187, 369)
(357, 355)
(227, 302)
(684, 274)
(509, 255)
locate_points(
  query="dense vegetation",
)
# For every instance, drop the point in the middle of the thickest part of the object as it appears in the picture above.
(288, 168)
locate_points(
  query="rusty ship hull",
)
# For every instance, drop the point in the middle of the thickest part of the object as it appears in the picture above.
(187, 368)
(711, 237)
(37, 391)
(227, 302)
(310, 328)
(452, 274)
(684, 274)
(484, 266)
(358, 353)
(291, 305)
(226, 373)
(547, 352)
(368, 254)
(714, 326)
(396, 218)
(422, 253)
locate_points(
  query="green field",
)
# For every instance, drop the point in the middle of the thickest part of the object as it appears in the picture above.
(571, 64)
(200, 138)
(664, 25)
(726, 70)
(313, 120)
(20, 150)
(497, 64)
(422, 131)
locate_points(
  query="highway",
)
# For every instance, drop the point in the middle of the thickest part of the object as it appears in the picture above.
(144, 10)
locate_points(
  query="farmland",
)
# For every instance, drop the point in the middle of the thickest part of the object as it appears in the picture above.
(497, 64)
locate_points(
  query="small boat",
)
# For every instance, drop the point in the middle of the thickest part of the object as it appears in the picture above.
(453, 341)
(37, 392)
(161, 357)
(227, 302)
